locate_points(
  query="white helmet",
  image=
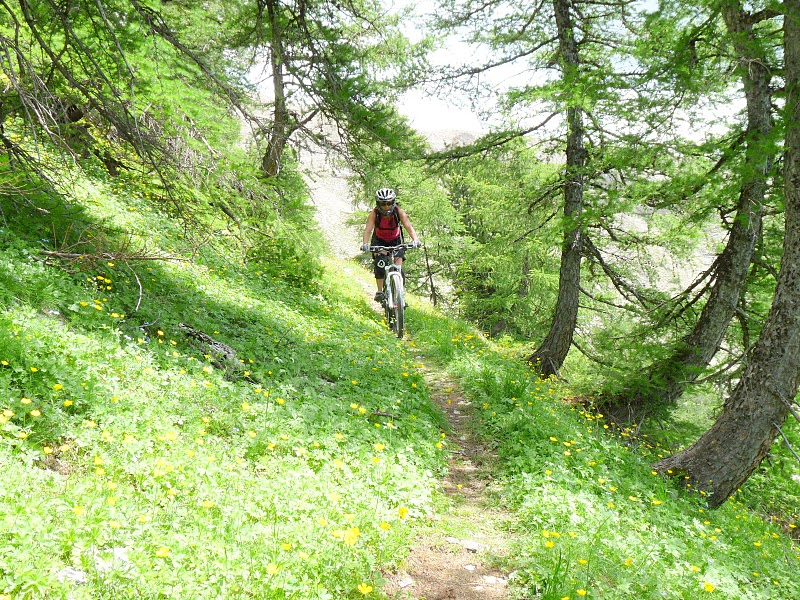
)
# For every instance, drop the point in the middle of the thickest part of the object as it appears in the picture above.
(385, 200)
(385, 195)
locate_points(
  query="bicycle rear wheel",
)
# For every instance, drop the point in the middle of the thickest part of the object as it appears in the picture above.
(389, 313)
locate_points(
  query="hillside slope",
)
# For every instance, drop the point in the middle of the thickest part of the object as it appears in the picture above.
(199, 429)
(199, 423)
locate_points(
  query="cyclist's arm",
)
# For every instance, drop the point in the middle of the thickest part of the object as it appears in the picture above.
(370, 225)
(407, 223)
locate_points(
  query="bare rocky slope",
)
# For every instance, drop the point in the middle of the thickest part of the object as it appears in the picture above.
(336, 208)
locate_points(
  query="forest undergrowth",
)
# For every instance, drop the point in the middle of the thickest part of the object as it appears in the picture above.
(222, 428)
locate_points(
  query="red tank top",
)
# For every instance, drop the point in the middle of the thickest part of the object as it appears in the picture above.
(387, 228)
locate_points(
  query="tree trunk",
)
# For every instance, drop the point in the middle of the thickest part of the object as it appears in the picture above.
(549, 356)
(668, 379)
(726, 455)
(278, 135)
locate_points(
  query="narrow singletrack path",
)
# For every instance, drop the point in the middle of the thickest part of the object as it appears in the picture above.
(452, 558)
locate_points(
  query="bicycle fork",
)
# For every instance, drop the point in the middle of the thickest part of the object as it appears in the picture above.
(393, 280)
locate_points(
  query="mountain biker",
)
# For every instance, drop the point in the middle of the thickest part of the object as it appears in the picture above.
(383, 228)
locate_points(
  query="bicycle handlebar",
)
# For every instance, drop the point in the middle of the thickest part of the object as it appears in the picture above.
(390, 248)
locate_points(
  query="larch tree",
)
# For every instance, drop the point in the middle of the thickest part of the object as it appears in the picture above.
(551, 353)
(565, 77)
(342, 61)
(282, 124)
(75, 67)
(54, 76)
(752, 37)
(724, 457)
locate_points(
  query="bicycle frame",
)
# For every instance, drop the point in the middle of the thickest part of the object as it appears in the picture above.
(394, 289)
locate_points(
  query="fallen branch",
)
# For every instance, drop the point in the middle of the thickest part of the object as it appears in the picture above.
(378, 413)
(76, 256)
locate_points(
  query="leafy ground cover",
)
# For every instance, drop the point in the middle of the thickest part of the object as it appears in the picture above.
(594, 520)
(208, 428)
(201, 429)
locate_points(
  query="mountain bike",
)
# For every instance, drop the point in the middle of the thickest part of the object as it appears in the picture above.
(394, 291)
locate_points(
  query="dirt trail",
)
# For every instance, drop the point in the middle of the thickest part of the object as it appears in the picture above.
(455, 566)
(449, 560)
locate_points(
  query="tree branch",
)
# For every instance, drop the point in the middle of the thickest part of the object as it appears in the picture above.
(486, 143)
(616, 279)
(785, 439)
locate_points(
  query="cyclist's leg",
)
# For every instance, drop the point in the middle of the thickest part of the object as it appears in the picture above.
(379, 272)
(380, 279)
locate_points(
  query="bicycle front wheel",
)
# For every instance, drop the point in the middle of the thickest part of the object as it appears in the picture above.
(399, 302)
(388, 312)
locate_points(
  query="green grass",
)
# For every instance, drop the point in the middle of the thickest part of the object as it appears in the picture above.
(154, 468)
(146, 465)
(594, 520)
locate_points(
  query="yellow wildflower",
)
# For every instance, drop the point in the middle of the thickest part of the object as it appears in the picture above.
(364, 588)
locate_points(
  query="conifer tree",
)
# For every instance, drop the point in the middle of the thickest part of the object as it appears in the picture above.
(724, 457)
(567, 87)
(753, 60)
(341, 62)
(550, 355)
